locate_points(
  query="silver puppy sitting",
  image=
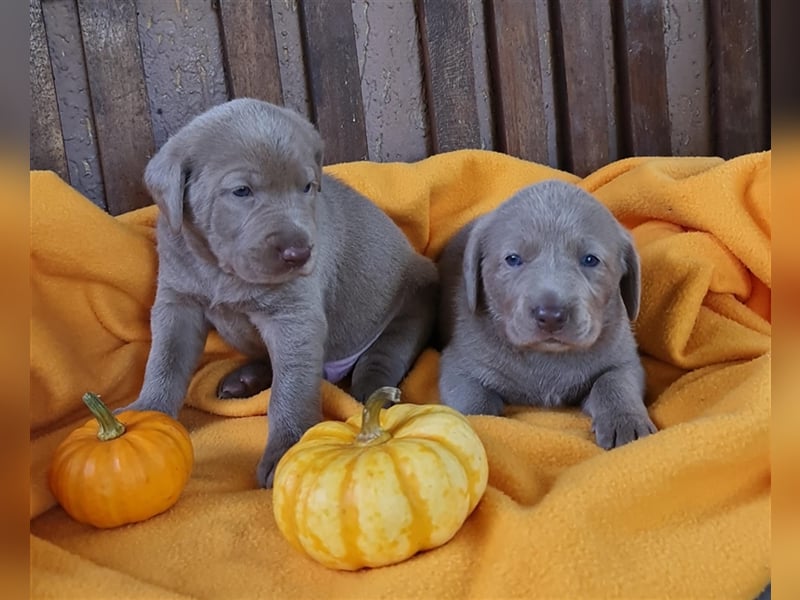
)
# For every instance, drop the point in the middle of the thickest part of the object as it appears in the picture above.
(292, 268)
(536, 302)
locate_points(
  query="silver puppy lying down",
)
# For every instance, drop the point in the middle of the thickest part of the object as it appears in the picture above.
(291, 267)
(536, 302)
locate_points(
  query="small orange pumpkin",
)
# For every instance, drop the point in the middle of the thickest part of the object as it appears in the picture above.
(133, 467)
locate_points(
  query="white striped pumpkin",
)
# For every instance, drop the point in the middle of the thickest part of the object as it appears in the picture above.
(352, 496)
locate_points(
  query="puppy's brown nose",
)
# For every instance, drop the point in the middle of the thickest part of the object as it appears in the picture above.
(550, 318)
(296, 256)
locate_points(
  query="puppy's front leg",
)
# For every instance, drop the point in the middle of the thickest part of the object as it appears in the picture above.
(616, 405)
(179, 330)
(459, 390)
(394, 352)
(296, 348)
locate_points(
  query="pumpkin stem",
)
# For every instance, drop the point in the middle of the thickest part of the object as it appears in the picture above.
(110, 426)
(371, 431)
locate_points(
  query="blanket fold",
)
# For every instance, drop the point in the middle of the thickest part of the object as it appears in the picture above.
(683, 513)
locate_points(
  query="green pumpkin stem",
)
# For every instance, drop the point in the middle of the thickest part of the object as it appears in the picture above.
(110, 426)
(371, 430)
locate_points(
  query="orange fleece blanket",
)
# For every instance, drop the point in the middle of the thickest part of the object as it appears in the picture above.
(683, 513)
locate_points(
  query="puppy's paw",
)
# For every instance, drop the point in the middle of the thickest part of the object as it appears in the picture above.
(265, 473)
(469, 397)
(368, 378)
(144, 403)
(361, 390)
(617, 429)
(363, 393)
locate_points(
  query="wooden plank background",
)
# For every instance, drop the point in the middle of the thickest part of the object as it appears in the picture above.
(571, 84)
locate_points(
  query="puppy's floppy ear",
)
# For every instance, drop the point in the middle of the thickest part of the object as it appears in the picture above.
(473, 256)
(630, 285)
(165, 178)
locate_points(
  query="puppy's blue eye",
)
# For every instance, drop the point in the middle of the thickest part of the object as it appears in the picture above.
(242, 191)
(513, 260)
(590, 260)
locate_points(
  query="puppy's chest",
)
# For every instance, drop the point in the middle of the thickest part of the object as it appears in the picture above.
(539, 380)
(228, 313)
(235, 327)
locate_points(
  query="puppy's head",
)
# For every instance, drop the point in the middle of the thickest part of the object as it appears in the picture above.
(240, 182)
(552, 266)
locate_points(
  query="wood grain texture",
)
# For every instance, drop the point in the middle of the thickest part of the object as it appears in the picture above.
(119, 100)
(642, 70)
(547, 65)
(74, 102)
(391, 80)
(571, 84)
(46, 142)
(449, 75)
(291, 62)
(478, 22)
(334, 80)
(251, 55)
(519, 91)
(686, 44)
(738, 76)
(588, 92)
(182, 59)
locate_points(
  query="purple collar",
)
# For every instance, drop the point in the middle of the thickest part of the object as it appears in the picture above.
(336, 370)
